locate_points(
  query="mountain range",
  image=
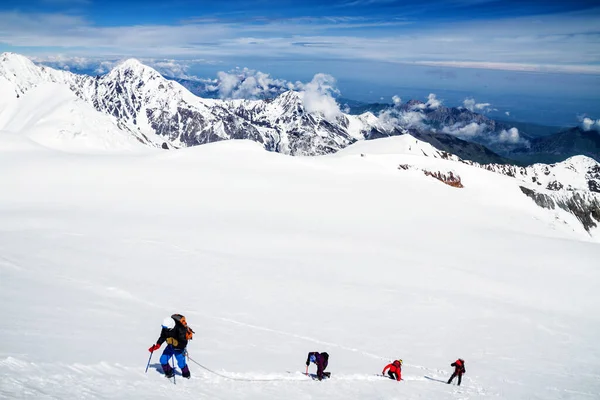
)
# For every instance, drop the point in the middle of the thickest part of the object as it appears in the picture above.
(135, 107)
(554, 148)
(160, 112)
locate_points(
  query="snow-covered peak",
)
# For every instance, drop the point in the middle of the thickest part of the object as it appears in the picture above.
(130, 63)
(19, 70)
(15, 61)
(24, 74)
(289, 101)
(575, 173)
(368, 118)
(404, 144)
(578, 163)
(133, 69)
(290, 96)
(133, 65)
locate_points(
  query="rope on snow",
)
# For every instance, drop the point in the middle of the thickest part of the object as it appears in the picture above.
(241, 379)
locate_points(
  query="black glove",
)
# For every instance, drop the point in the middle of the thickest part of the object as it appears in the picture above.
(307, 363)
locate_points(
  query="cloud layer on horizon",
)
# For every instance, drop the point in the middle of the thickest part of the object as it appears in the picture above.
(531, 43)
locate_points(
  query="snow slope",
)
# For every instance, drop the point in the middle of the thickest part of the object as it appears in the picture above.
(270, 257)
(404, 145)
(51, 115)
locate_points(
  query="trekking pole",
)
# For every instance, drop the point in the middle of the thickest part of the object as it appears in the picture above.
(173, 361)
(307, 370)
(150, 358)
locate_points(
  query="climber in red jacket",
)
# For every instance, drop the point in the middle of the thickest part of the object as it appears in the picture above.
(459, 370)
(395, 370)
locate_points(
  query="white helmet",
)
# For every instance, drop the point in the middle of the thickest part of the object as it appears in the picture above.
(168, 323)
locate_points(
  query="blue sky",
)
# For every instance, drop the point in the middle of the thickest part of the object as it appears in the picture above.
(366, 44)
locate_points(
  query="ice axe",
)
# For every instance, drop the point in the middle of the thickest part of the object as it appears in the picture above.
(149, 358)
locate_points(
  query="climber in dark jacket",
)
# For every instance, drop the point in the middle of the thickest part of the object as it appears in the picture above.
(459, 370)
(177, 334)
(321, 360)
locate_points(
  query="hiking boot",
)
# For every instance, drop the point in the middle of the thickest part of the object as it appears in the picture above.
(185, 372)
(169, 373)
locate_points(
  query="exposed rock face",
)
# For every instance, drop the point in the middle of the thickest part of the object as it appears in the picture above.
(541, 199)
(449, 178)
(593, 178)
(585, 206)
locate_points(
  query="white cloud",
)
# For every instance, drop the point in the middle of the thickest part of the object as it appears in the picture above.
(471, 105)
(474, 130)
(168, 67)
(171, 68)
(104, 66)
(412, 119)
(73, 63)
(531, 43)
(588, 124)
(466, 131)
(317, 96)
(248, 84)
(417, 118)
(432, 103)
(509, 136)
(507, 113)
(392, 118)
(397, 100)
(514, 66)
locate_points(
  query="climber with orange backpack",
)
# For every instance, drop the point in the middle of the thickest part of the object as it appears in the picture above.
(176, 333)
(395, 370)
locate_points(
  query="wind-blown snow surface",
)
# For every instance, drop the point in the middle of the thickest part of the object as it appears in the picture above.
(270, 257)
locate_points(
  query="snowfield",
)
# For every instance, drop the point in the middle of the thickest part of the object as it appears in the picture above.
(270, 257)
